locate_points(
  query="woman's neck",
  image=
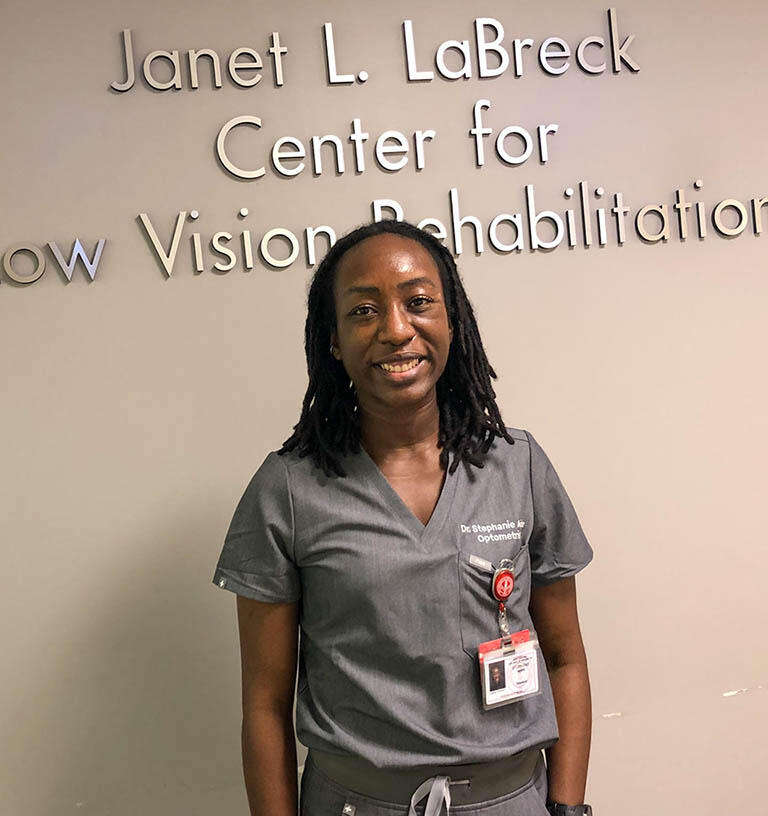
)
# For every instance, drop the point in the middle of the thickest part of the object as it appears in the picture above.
(386, 435)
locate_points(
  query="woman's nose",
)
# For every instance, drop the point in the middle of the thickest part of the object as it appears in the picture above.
(395, 327)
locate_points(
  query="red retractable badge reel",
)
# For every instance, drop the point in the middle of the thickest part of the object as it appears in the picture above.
(503, 583)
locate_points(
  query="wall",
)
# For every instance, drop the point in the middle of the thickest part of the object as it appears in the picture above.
(136, 406)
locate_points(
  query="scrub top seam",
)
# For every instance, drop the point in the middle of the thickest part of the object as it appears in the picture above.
(530, 483)
(290, 504)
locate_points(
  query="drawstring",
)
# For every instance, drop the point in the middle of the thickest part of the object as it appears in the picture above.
(439, 792)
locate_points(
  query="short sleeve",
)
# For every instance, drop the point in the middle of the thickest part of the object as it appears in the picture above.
(257, 560)
(558, 546)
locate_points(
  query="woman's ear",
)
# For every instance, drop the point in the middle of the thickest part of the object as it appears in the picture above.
(334, 346)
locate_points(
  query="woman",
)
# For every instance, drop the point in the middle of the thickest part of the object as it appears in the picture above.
(401, 526)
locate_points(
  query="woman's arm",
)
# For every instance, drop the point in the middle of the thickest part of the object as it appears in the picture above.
(555, 617)
(268, 646)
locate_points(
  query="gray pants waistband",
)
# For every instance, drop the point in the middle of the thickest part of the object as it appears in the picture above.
(470, 784)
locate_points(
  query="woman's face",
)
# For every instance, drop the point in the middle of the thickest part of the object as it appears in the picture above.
(392, 331)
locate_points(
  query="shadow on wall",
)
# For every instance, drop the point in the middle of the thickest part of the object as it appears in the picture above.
(136, 706)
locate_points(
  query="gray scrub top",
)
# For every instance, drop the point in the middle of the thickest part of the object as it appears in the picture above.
(392, 611)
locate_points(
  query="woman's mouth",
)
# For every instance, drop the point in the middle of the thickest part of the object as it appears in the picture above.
(399, 368)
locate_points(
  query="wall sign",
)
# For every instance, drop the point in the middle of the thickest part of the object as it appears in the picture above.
(586, 216)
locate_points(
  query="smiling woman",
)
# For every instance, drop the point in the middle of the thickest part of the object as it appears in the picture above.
(386, 259)
(361, 531)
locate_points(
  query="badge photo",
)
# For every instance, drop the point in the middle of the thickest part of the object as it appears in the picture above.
(509, 669)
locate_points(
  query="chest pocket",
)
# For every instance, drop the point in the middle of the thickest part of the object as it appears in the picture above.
(478, 610)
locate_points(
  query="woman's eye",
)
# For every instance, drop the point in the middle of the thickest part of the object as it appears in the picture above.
(421, 300)
(362, 311)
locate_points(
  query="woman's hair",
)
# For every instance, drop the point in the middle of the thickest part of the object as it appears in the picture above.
(329, 425)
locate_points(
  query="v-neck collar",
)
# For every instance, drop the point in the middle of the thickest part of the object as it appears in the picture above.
(399, 508)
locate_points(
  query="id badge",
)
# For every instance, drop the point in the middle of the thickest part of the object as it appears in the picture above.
(509, 669)
(509, 665)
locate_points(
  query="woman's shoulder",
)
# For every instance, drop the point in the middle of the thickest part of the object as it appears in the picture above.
(280, 476)
(518, 441)
(279, 464)
(518, 434)
(520, 450)
(505, 453)
(300, 470)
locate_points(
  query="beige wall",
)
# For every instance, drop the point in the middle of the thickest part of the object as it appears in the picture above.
(136, 407)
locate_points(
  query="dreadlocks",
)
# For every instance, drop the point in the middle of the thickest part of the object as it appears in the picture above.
(329, 426)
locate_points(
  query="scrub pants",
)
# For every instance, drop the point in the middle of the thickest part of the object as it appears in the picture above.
(321, 796)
